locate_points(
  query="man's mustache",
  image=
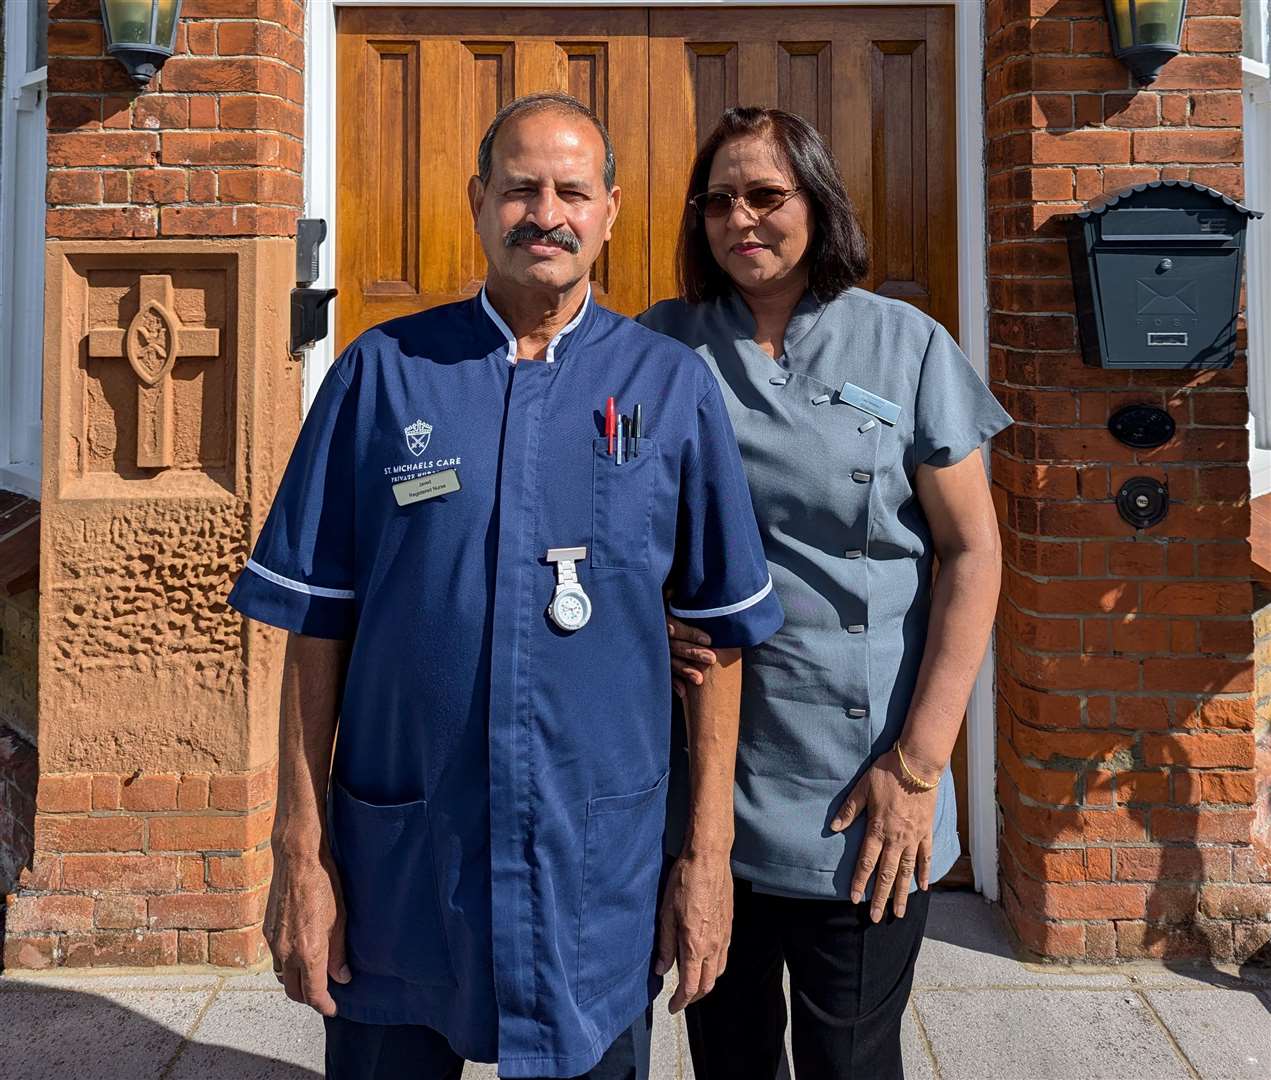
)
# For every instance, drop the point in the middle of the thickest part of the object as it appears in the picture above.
(560, 236)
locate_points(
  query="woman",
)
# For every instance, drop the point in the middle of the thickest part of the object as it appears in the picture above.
(857, 418)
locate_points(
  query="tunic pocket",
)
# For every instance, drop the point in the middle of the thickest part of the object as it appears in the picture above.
(622, 506)
(622, 863)
(385, 857)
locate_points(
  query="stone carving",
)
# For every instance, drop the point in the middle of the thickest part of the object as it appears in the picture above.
(152, 343)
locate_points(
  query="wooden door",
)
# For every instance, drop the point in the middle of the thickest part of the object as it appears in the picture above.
(417, 88)
(876, 82)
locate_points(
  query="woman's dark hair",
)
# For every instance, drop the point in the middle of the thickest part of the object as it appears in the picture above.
(838, 255)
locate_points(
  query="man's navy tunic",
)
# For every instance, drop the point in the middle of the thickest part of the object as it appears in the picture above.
(498, 790)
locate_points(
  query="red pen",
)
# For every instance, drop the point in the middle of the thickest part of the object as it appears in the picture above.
(611, 424)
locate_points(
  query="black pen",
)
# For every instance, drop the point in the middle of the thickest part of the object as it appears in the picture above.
(637, 426)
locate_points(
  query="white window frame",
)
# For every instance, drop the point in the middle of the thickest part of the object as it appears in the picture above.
(1257, 143)
(23, 167)
(321, 201)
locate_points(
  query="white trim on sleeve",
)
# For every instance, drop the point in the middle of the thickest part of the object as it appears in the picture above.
(731, 609)
(299, 586)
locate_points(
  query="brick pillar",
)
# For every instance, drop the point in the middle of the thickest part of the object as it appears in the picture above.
(1126, 751)
(170, 219)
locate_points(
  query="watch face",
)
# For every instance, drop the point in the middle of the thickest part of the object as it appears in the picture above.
(570, 611)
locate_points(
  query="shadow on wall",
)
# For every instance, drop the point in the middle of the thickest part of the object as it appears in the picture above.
(18, 772)
(52, 1033)
(981, 928)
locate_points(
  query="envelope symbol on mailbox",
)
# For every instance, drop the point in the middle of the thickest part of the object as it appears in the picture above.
(1162, 296)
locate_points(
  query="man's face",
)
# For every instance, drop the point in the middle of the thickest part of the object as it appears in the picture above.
(544, 214)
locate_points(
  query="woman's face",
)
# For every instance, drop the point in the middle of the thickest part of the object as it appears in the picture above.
(761, 254)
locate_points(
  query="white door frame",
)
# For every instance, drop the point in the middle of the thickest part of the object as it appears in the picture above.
(320, 201)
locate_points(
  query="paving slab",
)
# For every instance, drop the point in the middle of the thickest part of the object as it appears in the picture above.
(94, 982)
(913, 1045)
(967, 945)
(1191, 975)
(254, 980)
(1047, 1035)
(260, 1036)
(1226, 1034)
(55, 1034)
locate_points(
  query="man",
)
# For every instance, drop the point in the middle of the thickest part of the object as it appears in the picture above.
(473, 571)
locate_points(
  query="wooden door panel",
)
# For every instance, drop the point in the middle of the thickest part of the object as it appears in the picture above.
(418, 87)
(876, 82)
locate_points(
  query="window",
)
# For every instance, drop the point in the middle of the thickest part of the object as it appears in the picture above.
(1257, 137)
(22, 171)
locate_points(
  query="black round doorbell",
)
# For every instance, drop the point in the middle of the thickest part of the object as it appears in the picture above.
(1143, 501)
(1142, 426)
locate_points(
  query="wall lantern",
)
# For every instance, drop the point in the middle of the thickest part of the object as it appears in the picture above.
(1146, 34)
(1156, 272)
(140, 34)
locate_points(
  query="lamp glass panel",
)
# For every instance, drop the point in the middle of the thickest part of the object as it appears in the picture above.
(166, 26)
(1121, 23)
(1158, 22)
(130, 21)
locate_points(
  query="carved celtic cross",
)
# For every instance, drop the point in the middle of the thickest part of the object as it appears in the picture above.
(153, 342)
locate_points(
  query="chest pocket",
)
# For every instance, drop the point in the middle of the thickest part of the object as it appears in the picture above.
(622, 506)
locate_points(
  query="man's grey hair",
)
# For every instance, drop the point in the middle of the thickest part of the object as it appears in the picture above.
(536, 103)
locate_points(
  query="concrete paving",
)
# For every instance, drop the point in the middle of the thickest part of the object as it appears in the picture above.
(977, 1014)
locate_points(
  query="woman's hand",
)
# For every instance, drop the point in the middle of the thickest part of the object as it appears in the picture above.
(689, 654)
(897, 833)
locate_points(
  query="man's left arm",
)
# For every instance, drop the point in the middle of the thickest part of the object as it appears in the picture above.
(696, 918)
(720, 586)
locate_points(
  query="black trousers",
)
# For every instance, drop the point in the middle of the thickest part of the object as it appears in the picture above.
(411, 1052)
(849, 985)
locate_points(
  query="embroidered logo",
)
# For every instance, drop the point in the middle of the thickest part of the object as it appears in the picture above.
(417, 436)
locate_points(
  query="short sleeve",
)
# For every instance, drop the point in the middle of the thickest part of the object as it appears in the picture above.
(301, 573)
(954, 412)
(720, 580)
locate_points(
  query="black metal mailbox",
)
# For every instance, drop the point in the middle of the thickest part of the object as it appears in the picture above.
(1156, 270)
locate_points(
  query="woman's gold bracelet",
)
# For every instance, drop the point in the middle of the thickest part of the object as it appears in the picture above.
(926, 785)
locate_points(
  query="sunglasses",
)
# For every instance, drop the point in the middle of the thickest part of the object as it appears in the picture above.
(760, 201)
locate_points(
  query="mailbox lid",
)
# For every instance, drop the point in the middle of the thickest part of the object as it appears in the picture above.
(1160, 224)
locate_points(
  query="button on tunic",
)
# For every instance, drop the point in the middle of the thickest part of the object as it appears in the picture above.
(498, 790)
(849, 550)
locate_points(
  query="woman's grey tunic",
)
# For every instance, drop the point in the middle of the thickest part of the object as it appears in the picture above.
(850, 554)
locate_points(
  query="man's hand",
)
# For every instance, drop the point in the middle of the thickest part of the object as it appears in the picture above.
(304, 925)
(690, 654)
(695, 924)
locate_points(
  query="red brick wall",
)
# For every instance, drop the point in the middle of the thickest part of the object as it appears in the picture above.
(213, 148)
(147, 869)
(166, 868)
(1125, 716)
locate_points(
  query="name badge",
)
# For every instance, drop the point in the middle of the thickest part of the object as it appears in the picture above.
(887, 411)
(426, 487)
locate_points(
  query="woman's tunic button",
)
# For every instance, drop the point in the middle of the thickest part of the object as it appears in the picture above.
(821, 399)
(856, 714)
(861, 477)
(779, 380)
(855, 553)
(866, 426)
(858, 628)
